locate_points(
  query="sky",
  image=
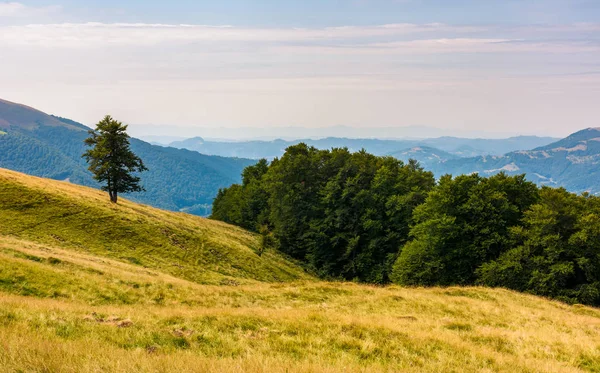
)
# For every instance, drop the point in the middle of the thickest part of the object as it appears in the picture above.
(184, 67)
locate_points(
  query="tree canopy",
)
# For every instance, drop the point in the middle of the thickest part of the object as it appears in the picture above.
(556, 251)
(344, 214)
(463, 223)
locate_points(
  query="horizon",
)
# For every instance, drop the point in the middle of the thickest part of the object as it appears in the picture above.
(292, 133)
(158, 134)
(498, 69)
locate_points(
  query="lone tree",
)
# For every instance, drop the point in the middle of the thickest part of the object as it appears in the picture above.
(111, 160)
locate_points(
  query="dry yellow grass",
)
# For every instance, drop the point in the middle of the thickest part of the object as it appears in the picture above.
(67, 309)
(262, 327)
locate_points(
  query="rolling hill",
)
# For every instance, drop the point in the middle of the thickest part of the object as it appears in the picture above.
(86, 285)
(48, 146)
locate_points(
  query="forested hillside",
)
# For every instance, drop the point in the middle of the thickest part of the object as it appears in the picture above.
(356, 216)
(43, 145)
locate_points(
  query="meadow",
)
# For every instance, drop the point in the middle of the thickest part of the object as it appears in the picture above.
(131, 288)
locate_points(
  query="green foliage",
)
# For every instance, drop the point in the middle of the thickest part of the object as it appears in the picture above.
(557, 250)
(356, 216)
(111, 159)
(504, 232)
(293, 183)
(345, 214)
(367, 208)
(246, 204)
(267, 240)
(463, 223)
(227, 205)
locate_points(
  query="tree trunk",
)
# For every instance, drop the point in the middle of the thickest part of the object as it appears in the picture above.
(112, 193)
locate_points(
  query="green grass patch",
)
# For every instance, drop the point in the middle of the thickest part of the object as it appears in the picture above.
(179, 244)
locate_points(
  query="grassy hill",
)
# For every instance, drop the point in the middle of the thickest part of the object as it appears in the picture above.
(86, 286)
(79, 218)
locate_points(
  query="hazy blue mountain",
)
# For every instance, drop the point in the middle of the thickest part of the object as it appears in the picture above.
(474, 147)
(269, 133)
(573, 163)
(245, 149)
(461, 147)
(427, 156)
(160, 140)
(42, 145)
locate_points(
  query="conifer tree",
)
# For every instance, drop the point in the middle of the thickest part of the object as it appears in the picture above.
(111, 160)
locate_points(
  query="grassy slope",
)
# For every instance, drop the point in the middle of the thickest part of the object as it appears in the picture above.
(200, 250)
(67, 304)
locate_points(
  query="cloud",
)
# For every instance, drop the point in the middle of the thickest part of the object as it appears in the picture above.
(456, 45)
(94, 34)
(11, 9)
(399, 73)
(401, 38)
(14, 10)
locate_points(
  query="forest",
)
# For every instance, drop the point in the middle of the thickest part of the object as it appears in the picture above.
(375, 219)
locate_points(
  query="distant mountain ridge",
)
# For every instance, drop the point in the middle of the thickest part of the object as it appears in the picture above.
(49, 146)
(462, 147)
(573, 163)
(156, 132)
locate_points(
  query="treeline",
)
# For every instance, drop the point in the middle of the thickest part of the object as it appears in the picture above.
(360, 217)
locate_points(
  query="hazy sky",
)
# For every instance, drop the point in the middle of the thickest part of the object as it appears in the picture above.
(511, 66)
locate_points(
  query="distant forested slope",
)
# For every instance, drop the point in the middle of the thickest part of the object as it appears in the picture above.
(48, 146)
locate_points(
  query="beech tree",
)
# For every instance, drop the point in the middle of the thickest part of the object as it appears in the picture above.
(111, 160)
(344, 214)
(464, 223)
